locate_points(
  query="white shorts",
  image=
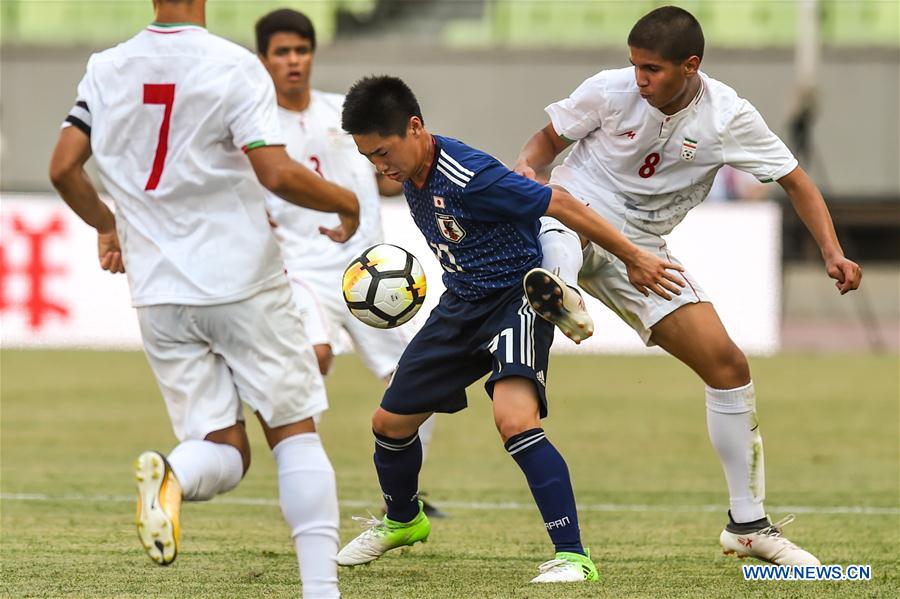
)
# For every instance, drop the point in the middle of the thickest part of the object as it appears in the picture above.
(605, 277)
(207, 359)
(328, 322)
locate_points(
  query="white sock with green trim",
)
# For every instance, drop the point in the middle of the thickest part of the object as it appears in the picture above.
(734, 432)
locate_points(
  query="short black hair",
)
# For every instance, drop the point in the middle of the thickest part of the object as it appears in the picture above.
(283, 20)
(379, 104)
(671, 32)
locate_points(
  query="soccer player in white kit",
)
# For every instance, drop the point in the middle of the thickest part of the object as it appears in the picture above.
(311, 123)
(168, 116)
(648, 141)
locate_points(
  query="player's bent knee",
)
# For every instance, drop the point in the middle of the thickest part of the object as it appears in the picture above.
(235, 436)
(510, 424)
(732, 369)
(395, 426)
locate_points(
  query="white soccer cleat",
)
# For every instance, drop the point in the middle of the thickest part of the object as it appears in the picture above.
(568, 567)
(558, 303)
(158, 507)
(767, 544)
(382, 536)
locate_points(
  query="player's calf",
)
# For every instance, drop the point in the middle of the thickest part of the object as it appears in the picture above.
(558, 303)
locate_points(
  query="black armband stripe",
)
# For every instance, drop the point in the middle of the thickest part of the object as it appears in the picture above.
(77, 122)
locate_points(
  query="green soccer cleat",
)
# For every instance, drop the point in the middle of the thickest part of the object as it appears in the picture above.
(382, 536)
(568, 567)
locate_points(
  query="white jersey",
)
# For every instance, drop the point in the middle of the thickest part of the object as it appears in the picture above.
(660, 166)
(316, 140)
(168, 113)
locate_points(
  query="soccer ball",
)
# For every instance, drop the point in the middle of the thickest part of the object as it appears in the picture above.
(385, 286)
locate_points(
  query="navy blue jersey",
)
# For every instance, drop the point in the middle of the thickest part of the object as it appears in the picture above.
(480, 219)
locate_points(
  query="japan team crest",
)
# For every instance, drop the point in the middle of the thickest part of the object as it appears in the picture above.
(688, 149)
(449, 228)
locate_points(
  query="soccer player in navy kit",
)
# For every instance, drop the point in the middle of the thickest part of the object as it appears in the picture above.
(481, 220)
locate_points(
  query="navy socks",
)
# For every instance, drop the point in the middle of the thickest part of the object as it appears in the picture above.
(398, 462)
(548, 478)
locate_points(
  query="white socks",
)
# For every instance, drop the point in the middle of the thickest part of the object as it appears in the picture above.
(204, 469)
(426, 432)
(734, 432)
(562, 250)
(309, 503)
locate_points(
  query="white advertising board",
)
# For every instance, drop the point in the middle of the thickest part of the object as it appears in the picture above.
(53, 293)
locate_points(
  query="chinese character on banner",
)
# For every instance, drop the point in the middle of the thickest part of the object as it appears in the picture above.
(53, 292)
(26, 269)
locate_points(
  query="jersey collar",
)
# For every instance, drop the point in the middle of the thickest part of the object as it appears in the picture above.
(167, 28)
(435, 146)
(659, 115)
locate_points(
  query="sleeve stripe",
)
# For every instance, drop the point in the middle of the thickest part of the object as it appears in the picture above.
(253, 145)
(82, 104)
(81, 114)
(450, 176)
(74, 120)
(462, 170)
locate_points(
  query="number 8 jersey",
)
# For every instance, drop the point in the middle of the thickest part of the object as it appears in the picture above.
(660, 166)
(169, 114)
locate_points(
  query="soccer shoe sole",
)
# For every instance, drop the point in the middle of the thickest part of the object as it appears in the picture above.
(155, 528)
(546, 293)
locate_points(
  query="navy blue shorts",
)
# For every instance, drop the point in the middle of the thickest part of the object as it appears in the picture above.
(460, 343)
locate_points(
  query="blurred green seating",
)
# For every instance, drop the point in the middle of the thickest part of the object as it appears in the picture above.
(360, 8)
(105, 22)
(506, 23)
(726, 23)
(861, 23)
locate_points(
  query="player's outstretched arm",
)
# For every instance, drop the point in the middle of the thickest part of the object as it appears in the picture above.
(540, 151)
(301, 186)
(645, 271)
(811, 208)
(74, 186)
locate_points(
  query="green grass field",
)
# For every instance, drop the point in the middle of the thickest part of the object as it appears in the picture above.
(652, 497)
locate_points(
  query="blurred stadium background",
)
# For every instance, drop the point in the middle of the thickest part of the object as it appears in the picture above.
(832, 94)
(825, 74)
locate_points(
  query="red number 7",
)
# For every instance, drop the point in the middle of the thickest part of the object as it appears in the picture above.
(160, 93)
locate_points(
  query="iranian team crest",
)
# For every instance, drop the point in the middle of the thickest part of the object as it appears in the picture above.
(449, 228)
(688, 149)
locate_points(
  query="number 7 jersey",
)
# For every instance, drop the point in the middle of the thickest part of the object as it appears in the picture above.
(170, 113)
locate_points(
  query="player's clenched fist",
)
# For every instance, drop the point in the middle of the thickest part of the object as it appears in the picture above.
(109, 252)
(847, 273)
